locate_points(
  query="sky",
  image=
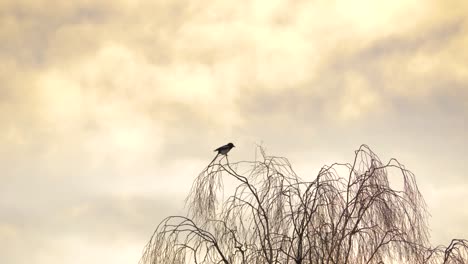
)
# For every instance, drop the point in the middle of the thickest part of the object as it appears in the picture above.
(109, 109)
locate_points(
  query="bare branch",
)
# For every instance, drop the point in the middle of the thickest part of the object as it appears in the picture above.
(349, 213)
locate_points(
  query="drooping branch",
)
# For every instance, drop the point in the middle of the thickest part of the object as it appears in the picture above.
(348, 213)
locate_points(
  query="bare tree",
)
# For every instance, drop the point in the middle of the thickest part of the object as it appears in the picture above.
(348, 214)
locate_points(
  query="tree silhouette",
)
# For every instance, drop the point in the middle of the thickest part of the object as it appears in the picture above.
(348, 214)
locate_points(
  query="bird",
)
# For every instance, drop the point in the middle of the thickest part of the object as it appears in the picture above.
(223, 150)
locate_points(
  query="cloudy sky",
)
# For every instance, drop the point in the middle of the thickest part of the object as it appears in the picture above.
(109, 109)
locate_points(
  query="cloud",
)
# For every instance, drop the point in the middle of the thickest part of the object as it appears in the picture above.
(115, 106)
(68, 224)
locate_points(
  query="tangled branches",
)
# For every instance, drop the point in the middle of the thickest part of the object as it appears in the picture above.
(348, 214)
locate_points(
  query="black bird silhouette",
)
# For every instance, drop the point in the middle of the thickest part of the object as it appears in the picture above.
(223, 150)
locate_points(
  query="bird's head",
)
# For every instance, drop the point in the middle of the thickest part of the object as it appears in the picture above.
(231, 145)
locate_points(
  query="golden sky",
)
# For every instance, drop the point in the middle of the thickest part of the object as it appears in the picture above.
(109, 109)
